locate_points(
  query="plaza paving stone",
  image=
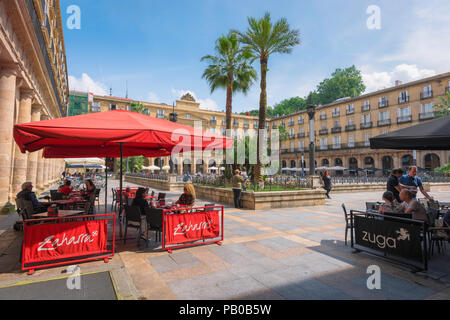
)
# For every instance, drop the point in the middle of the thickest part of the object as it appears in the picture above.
(292, 253)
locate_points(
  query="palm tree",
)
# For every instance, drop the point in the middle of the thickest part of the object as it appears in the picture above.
(229, 69)
(264, 38)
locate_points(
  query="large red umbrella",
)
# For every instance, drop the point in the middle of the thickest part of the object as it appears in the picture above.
(101, 134)
(113, 134)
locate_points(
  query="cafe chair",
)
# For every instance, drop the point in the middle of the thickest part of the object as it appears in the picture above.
(57, 196)
(89, 207)
(52, 193)
(154, 222)
(114, 199)
(372, 206)
(24, 209)
(132, 220)
(161, 199)
(437, 235)
(347, 222)
(97, 198)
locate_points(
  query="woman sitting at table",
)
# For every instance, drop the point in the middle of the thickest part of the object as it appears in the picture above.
(140, 201)
(90, 189)
(390, 203)
(187, 198)
(66, 189)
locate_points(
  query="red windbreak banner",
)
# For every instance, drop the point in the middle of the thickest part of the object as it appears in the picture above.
(186, 227)
(45, 242)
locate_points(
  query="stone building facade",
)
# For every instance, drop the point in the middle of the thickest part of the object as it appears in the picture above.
(33, 87)
(343, 128)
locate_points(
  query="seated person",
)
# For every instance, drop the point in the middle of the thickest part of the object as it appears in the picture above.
(66, 189)
(187, 198)
(447, 218)
(90, 189)
(139, 200)
(28, 195)
(390, 203)
(412, 206)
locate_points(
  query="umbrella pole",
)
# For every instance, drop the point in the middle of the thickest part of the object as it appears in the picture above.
(106, 185)
(120, 187)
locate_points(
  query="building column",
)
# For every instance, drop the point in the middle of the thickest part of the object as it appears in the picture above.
(8, 79)
(40, 171)
(19, 174)
(46, 172)
(33, 157)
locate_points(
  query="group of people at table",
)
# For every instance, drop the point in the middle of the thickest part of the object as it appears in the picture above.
(68, 192)
(401, 195)
(186, 199)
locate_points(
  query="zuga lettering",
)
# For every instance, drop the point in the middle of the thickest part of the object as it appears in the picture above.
(82, 238)
(380, 240)
(183, 228)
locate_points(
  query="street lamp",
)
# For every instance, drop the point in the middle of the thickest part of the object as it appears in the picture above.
(311, 110)
(174, 118)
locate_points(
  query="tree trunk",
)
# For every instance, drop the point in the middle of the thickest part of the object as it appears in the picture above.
(262, 118)
(229, 112)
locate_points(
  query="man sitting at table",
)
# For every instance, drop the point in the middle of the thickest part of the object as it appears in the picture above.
(413, 183)
(412, 206)
(27, 194)
(66, 189)
(187, 198)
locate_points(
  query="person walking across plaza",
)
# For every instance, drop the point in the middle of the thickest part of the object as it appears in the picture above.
(237, 188)
(393, 185)
(326, 182)
(412, 183)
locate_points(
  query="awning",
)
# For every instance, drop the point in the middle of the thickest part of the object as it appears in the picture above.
(430, 135)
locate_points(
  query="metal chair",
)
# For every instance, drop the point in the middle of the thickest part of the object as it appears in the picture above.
(132, 220)
(154, 222)
(57, 196)
(89, 207)
(97, 198)
(161, 199)
(347, 222)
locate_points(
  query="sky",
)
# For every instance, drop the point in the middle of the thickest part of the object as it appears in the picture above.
(155, 47)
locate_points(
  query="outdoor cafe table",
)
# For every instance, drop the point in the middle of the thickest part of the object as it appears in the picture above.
(68, 202)
(61, 214)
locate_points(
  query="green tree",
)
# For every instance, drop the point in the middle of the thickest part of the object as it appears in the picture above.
(443, 109)
(136, 162)
(229, 69)
(264, 38)
(343, 83)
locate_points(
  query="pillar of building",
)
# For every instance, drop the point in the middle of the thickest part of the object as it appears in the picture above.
(34, 156)
(46, 172)
(7, 102)
(19, 173)
(40, 171)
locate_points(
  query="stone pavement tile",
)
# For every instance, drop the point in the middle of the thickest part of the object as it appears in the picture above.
(295, 292)
(279, 243)
(199, 293)
(315, 236)
(186, 272)
(246, 231)
(284, 226)
(207, 257)
(150, 285)
(174, 261)
(301, 240)
(395, 288)
(277, 254)
(442, 295)
(263, 294)
(240, 286)
(323, 290)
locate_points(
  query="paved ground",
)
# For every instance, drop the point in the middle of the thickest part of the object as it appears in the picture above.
(296, 253)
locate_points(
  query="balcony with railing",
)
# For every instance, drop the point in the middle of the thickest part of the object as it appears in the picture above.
(384, 123)
(404, 119)
(291, 123)
(366, 125)
(301, 121)
(404, 99)
(292, 136)
(337, 146)
(245, 125)
(335, 114)
(212, 122)
(426, 95)
(365, 107)
(426, 115)
(323, 132)
(336, 130)
(323, 147)
(350, 127)
(301, 135)
(323, 117)
(383, 104)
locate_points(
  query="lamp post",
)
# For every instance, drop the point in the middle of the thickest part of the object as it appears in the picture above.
(311, 110)
(174, 118)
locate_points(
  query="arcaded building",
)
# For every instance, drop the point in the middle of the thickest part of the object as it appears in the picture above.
(33, 87)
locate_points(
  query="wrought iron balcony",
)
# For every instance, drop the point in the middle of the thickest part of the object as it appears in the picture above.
(403, 99)
(213, 122)
(335, 114)
(291, 124)
(350, 111)
(350, 127)
(366, 125)
(336, 130)
(323, 117)
(383, 104)
(426, 115)
(301, 135)
(323, 132)
(404, 119)
(426, 95)
(365, 107)
(383, 123)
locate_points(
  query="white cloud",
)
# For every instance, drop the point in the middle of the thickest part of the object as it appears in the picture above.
(426, 39)
(85, 83)
(207, 104)
(404, 72)
(153, 97)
